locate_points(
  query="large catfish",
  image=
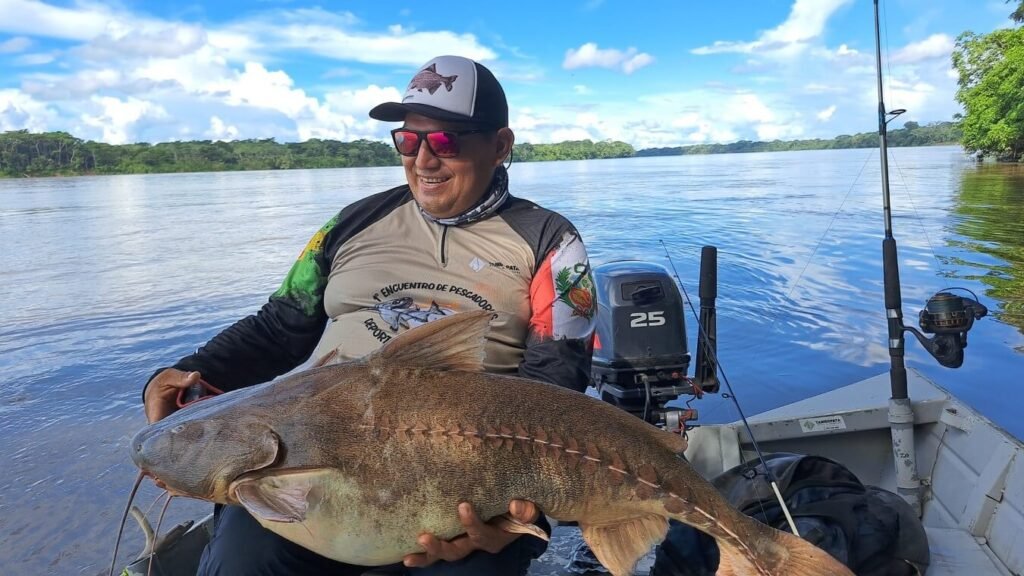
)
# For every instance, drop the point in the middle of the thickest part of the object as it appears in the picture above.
(355, 460)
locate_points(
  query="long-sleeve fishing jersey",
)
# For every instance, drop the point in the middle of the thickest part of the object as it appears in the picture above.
(380, 267)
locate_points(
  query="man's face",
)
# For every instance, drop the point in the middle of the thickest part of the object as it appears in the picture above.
(447, 187)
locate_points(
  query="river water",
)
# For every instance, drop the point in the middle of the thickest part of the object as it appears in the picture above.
(105, 279)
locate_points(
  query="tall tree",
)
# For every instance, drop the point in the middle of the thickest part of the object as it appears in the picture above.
(991, 90)
(1018, 14)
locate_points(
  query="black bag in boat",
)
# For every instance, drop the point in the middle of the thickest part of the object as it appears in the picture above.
(871, 530)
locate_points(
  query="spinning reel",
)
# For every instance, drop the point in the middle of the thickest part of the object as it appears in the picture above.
(949, 317)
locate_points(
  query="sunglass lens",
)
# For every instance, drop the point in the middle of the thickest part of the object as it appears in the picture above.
(444, 144)
(407, 143)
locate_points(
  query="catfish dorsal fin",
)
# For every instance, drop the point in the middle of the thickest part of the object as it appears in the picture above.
(620, 545)
(454, 342)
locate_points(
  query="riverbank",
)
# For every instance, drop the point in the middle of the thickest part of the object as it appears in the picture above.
(59, 154)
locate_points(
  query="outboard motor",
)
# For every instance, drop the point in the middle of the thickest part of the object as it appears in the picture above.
(641, 357)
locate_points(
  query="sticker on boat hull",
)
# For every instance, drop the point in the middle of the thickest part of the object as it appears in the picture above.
(822, 424)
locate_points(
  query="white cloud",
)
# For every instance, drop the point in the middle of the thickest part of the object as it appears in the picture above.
(256, 86)
(818, 88)
(590, 56)
(748, 108)
(910, 96)
(806, 22)
(90, 81)
(779, 131)
(936, 46)
(587, 119)
(699, 130)
(359, 102)
(571, 133)
(844, 50)
(178, 79)
(143, 40)
(221, 131)
(706, 115)
(524, 121)
(843, 55)
(341, 72)
(112, 34)
(129, 75)
(19, 111)
(34, 18)
(331, 35)
(636, 62)
(117, 118)
(14, 45)
(36, 59)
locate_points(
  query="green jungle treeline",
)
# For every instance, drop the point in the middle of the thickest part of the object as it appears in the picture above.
(990, 79)
(912, 134)
(61, 154)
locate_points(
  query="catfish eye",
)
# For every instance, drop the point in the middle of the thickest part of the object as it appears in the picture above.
(177, 428)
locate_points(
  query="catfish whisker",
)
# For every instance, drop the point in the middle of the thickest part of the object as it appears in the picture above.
(124, 518)
(160, 520)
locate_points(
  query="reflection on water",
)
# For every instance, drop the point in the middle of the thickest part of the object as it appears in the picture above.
(105, 279)
(990, 210)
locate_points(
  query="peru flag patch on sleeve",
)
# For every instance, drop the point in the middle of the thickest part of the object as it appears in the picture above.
(563, 296)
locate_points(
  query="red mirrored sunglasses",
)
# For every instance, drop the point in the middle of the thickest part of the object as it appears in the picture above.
(442, 143)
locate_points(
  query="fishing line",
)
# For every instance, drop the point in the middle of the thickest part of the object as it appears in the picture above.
(713, 357)
(821, 239)
(913, 206)
(835, 215)
(888, 61)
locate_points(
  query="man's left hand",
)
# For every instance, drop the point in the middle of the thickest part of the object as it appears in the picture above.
(479, 536)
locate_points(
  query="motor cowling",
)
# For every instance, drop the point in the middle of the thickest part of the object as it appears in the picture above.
(640, 356)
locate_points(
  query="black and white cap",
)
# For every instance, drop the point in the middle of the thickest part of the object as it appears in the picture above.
(452, 89)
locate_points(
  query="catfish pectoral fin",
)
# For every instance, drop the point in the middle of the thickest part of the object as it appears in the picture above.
(513, 526)
(620, 545)
(279, 498)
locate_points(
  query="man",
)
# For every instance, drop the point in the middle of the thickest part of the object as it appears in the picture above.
(452, 239)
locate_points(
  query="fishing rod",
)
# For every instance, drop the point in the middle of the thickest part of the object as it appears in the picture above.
(946, 315)
(709, 262)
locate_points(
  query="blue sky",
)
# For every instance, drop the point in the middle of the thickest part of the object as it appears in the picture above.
(661, 73)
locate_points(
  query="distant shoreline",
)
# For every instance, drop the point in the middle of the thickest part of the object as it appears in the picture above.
(59, 154)
(83, 174)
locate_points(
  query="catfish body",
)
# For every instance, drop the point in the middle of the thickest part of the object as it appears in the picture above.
(354, 461)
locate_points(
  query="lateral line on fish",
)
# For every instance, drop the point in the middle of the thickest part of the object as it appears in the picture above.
(446, 432)
(732, 535)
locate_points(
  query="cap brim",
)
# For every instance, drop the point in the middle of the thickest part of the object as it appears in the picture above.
(395, 112)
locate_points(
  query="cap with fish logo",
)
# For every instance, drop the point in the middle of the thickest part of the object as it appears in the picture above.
(451, 89)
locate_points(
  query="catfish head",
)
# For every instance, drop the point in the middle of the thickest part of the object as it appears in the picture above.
(199, 451)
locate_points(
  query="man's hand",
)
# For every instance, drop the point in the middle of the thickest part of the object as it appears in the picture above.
(479, 536)
(162, 392)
